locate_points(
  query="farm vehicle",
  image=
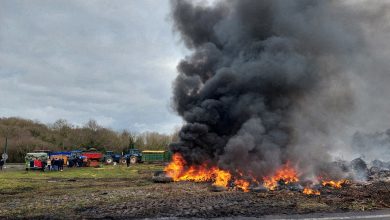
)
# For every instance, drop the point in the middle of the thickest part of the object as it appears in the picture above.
(92, 159)
(133, 155)
(36, 161)
(111, 157)
(156, 156)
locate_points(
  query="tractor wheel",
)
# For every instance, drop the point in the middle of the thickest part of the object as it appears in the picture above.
(108, 160)
(133, 160)
(123, 161)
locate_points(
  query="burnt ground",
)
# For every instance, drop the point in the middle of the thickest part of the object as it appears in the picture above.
(137, 196)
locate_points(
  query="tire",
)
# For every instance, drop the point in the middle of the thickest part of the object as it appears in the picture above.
(123, 161)
(133, 160)
(108, 160)
(161, 177)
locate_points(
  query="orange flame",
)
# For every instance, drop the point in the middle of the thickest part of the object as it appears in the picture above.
(177, 170)
(222, 177)
(334, 184)
(285, 173)
(242, 184)
(176, 167)
(309, 191)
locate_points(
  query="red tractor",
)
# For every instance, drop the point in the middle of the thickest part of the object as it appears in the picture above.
(92, 159)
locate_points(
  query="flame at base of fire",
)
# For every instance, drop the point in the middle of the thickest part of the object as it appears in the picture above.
(242, 184)
(309, 191)
(222, 177)
(335, 184)
(286, 174)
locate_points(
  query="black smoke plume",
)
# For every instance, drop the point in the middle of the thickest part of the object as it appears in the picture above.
(265, 82)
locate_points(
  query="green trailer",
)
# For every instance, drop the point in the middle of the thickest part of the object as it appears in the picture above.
(152, 156)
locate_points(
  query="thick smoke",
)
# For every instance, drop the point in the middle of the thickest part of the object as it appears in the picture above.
(267, 81)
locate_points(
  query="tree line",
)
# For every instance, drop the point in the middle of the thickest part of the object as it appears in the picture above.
(25, 136)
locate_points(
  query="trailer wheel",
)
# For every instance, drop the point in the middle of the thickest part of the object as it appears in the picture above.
(133, 159)
(123, 161)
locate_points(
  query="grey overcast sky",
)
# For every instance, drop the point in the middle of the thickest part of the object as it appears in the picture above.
(109, 60)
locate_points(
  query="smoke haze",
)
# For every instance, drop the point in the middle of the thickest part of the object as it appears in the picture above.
(273, 81)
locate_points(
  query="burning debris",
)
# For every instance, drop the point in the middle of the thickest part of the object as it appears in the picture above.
(334, 184)
(309, 191)
(179, 171)
(286, 177)
(283, 176)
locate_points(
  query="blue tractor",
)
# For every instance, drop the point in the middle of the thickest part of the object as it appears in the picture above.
(111, 157)
(134, 155)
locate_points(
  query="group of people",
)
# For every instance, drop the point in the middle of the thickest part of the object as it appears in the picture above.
(56, 164)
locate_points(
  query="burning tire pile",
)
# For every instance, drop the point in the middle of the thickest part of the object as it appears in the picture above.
(285, 178)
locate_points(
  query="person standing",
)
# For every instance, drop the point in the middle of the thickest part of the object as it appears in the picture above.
(43, 165)
(49, 164)
(1, 164)
(61, 164)
(128, 161)
(54, 163)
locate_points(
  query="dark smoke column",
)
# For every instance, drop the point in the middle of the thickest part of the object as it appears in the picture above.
(255, 67)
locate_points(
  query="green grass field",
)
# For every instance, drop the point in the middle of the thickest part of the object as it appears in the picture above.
(87, 172)
(22, 182)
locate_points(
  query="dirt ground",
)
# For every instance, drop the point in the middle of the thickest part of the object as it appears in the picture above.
(119, 193)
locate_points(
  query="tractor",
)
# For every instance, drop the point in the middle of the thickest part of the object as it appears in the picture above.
(134, 155)
(111, 157)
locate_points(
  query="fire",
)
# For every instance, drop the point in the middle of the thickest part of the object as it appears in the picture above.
(202, 173)
(286, 174)
(309, 191)
(221, 177)
(179, 170)
(176, 167)
(242, 184)
(334, 184)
